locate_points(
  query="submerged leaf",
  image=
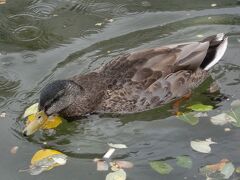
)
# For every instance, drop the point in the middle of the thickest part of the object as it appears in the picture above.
(117, 175)
(235, 103)
(200, 107)
(161, 167)
(189, 118)
(102, 165)
(33, 109)
(117, 146)
(184, 161)
(202, 146)
(235, 113)
(228, 170)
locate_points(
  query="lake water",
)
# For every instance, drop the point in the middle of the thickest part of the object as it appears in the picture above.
(45, 40)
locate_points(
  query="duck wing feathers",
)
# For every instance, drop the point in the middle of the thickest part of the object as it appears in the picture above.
(148, 78)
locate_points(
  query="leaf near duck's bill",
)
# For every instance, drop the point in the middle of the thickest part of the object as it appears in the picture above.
(117, 146)
(161, 167)
(202, 146)
(221, 170)
(184, 161)
(188, 118)
(46, 159)
(33, 109)
(200, 107)
(117, 175)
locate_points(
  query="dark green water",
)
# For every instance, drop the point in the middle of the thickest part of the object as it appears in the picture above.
(41, 41)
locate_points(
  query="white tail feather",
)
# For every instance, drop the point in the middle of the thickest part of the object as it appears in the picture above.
(219, 51)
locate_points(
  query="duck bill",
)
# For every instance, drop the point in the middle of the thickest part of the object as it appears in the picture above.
(35, 123)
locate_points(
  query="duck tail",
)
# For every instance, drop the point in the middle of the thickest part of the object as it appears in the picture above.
(217, 47)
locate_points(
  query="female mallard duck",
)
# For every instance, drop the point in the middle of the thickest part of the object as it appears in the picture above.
(133, 82)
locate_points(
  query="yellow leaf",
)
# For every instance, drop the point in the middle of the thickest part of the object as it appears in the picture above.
(33, 109)
(42, 154)
(52, 122)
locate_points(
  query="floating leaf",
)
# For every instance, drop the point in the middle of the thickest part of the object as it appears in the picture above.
(102, 165)
(221, 170)
(201, 114)
(200, 107)
(184, 161)
(3, 115)
(14, 149)
(202, 146)
(235, 113)
(117, 175)
(2, 1)
(189, 118)
(109, 153)
(228, 170)
(51, 123)
(45, 160)
(33, 109)
(222, 119)
(117, 146)
(161, 167)
(235, 103)
(122, 164)
(214, 87)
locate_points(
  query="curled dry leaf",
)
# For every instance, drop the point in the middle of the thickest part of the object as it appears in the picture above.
(117, 175)
(222, 119)
(2, 1)
(202, 146)
(117, 146)
(214, 87)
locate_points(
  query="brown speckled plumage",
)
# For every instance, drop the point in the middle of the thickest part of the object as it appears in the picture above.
(143, 80)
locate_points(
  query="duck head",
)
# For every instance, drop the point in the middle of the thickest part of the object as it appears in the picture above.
(54, 99)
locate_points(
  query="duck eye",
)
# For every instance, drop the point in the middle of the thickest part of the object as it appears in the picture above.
(39, 117)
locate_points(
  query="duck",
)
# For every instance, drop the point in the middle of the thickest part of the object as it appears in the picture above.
(132, 82)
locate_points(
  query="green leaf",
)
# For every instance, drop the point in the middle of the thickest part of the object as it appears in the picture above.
(200, 107)
(184, 161)
(189, 118)
(161, 167)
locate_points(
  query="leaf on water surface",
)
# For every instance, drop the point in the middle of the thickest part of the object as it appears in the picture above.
(121, 164)
(117, 175)
(201, 114)
(46, 159)
(33, 109)
(222, 119)
(117, 146)
(2, 1)
(200, 107)
(109, 153)
(235, 103)
(51, 123)
(102, 165)
(3, 115)
(161, 167)
(184, 161)
(202, 146)
(14, 149)
(98, 24)
(221, 170)
(189, 118)
(235, 113)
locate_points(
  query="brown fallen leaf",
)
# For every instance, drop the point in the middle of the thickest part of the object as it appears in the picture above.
(218, 166)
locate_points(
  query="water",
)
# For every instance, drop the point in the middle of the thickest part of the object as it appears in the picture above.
(44, 40)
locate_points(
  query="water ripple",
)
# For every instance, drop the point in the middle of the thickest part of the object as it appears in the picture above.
(8, 81)
(41, 10)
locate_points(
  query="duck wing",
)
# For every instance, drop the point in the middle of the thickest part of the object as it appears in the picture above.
(148, 78)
